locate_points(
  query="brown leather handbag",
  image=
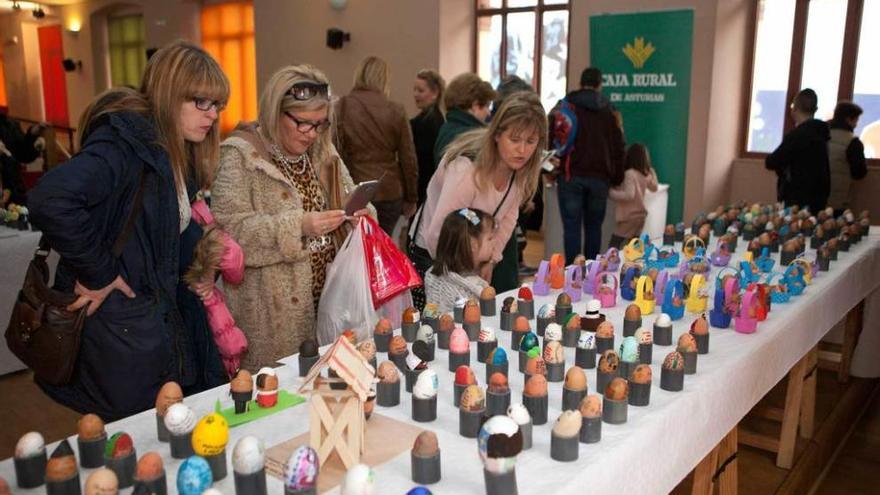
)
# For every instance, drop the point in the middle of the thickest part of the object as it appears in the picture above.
(42, 333)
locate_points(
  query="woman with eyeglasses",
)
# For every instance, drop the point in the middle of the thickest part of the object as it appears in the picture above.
(280, 193)
(118, 213)
(375, 141)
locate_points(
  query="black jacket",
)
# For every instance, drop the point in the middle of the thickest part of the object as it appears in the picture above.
(425, 128)
(598, 148)
(801, 166)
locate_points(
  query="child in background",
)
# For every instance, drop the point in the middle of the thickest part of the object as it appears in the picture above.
(464, 245)
(630, 211)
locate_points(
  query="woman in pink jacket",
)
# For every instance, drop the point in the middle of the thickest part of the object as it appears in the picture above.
(630, 211)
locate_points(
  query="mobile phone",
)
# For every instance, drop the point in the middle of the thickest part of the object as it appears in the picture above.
(363, 194)
(546, 165)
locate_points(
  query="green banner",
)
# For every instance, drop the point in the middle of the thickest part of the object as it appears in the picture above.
(645, 59)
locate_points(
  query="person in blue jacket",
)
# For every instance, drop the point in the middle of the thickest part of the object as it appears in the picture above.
(144, 327)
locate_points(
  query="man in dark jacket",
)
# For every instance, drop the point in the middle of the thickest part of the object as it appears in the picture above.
(595, 164)
(801, 160)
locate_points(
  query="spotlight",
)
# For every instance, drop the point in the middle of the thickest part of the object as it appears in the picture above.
(336, 38)
(39, 13)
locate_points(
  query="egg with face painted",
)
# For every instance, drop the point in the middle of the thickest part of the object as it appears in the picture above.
(519, 414)
(642, 374)
(498, 357)
(248, 455)
(586, 341)
(194, 476)
(568, 424)
(397, 346)
(425, 334)
(426, 385)
(210, 435)
(509, 305)
(487, 334)
(458, 341)
(358, 481)
(180, 419)
(528, 342)
(686, 343)
(536, 386)
(388, 372)
(554, 353)
(644, 336)
(547, 312)
(102, 481)
(367, 349)
(553, 331)
(617, 389)
(498, 383)
(605, 330)
(629, 350)
(301, 471)
(591, 406)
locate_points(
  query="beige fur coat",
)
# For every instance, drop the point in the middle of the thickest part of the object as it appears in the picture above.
(262, 210)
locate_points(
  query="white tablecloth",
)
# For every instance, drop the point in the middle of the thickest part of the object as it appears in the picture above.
(650, 453)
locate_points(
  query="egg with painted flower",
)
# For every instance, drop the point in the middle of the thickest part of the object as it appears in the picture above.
(301, 471)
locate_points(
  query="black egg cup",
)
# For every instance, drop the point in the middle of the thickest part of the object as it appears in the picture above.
(241, 399)
(157, 485)
(585, 358)
(541, 325)
(604, 344)
(646, 353)
(562, 312)
(625, 369)
(161, 431)
(217, 462)
(496, 368)
(630, 327)
(469, 422)
(409, 331)
(424, 410)
(571, 399)
(124, 467)
(702, 343)
(555, 372)
(305, 491)
(425, 470)
(526, 431)
(603, 379)
(507, 320)
(823, 262)
(30, 472)
(537, 407)
(614, 411)
(91, 452)
(443, 340)
(570, 337)
(388, 394)
(672, 380)
(591, 430)
(639, 394)
(472, 330)
(458, 314)
(382, 340)
(250, 484)
(523, 359)
(306, 363)
(690, 362)
(515, 340)
(432, 322)
(181, 446)
(459, 359)
(411, 377)
(484, 349)
(497, 404)
(70, 486)
(457, 390)
(564, 449)
(500, 483)
(399, 360)
(487, 307)
(663, 335)
(526, 307)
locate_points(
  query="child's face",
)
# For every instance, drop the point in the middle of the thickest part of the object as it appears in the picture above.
(482, 247)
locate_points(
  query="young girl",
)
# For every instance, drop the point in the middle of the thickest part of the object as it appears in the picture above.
(630, 211)
(465, 244)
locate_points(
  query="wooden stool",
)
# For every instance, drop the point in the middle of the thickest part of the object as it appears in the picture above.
(839, 361)
(799, 410)
(719, 466)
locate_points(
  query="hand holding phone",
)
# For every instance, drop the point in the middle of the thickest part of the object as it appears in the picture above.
(361, 196)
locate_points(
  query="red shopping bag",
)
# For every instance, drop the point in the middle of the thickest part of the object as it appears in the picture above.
(391, 272)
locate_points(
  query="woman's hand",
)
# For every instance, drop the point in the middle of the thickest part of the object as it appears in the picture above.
(203, 289)
(354, 219)
(486, 271)
(315, 223)
(94, 298)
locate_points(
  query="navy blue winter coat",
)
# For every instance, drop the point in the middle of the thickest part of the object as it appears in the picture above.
(130, 347)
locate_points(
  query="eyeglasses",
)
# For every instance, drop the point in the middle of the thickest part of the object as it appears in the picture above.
(302, 91)
(304, 126)
(205, 104)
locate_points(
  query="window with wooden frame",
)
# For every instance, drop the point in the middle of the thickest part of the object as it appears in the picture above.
(127, 48)
(526, 38)
(228, 35)
(818, 44)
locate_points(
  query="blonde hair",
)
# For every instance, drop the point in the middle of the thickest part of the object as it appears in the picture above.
(520, 112)
(373, 73)
(436, 82)
(276, 99)
(175, 74)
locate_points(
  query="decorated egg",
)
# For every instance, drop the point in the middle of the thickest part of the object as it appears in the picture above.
(575, 378)
(149, 467)
(552, 332)
(674, 361)
(528, 342)
(519, 414)
(499, 442)
(700, 326)
(101, 482)
(629, 350)
(62, 463)
(605, 330)
(170, 393)
(509, 305)
(686, 343)
(243, 382)
(568, 424)
(617, 389)
(498, 383)
(426, 385)
(267, 380)
(633, 313)
(488, 293)
(426, 444)
(521, 324)
(471, 312)
(464, 375)
(419, 490)
(642, 374)
(180, 419)
(90, 427)
(547, 312)
(487, 334)
(586, 340)
(210, 435)
(194, 476)
(473, 399)
(525, 293)
(593, 307)
(573, 322)
(410, 315)
(430, 311)
(301, 472)
(367, 348)
(536, 386)
(358, 481)
(425, 334)
(553, 353)
(397, 345)
(458, 341)
(608, 362)
(309, 348)
(447, 322)
(413, 361)
(536, 366)
(498, 357)
(563, 300)
(383, 327)
(644, 336)
(120, 445)
(388, 372)
(591, 406)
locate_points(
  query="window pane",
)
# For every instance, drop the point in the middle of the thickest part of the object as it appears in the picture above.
(554, 52)
(522, 3)
(521, 46)
(822, 52)
(489, 4)
(867, 87)
(555, 2)
(489, 49)
(770, 74)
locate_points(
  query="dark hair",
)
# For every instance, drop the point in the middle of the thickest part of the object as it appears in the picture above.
(510, 85)
(465, 89)
(843, 112)
(638, 158)
(454, 252)
(806, 101)
(591, 77)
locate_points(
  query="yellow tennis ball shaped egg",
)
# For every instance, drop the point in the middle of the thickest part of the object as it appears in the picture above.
(210, 435)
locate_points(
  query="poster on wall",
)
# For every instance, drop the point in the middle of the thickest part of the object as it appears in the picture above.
(645, 59)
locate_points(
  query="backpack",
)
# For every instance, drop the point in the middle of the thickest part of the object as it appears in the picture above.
(563, 130)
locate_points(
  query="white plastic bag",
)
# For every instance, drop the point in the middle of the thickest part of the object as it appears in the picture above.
(346, 302)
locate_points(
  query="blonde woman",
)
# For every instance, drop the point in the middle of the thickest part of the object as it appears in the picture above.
(375, 141)
(428, 91)
(142, 152)
(494, 170)
(279, 192)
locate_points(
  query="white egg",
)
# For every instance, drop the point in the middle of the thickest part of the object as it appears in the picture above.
(519, 414)
(426, 385)
(425, 334)
(663, 320)
(180, 419)
(586, 340)
(358, 481)
(29, 445)
(249, 455)
(593, 306)
(553, 332)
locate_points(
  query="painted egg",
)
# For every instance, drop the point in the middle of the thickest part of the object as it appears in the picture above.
(488, 293)
(413, 361)
(686, 343)
(210, 435)
(62, 463)
(553, 331)
(90, 427)
(397, 345)
(644, 336)
(170, 393)
(521, 324)
(568, 424)
(633, 313)
(243, 382)
(642, 374)
(498, 383)
(267, 380)
(431, 311)
(591, 406)
(629, 350)
(471, 312)
(426, 444)
(533, 352)
(518, 413)
(194, 476)
(464, 375)
(120, 444)
(536, 386)
(102, 482)
(301, 472)
(410, 315)
(593, 306)
(554, 353)
(605, 330)
(528, 342)
(509, 305)
(419, 490)
(149, 467)
(700, 326)
(617, 389)
(458, 341)
(487, 334)
(663, 321)
(425, 334)
(575, 378)
(460, 302)
(563, 300)
(525, 293)
(308, 348)
(180, 419)
(358, 481)
(546, 311)
(447, 322)
(383, 327)
(674, 361)
(499, 442)
(573, 322)
(498, 357)
(388, 372)
(426, 385)
(536, 366)
(473, 399)
(608, 362)
(586, 340)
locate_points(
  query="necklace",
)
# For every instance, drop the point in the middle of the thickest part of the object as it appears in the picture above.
(289, 164)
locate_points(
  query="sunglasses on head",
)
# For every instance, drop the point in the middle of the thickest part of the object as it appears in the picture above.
(302, 91)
